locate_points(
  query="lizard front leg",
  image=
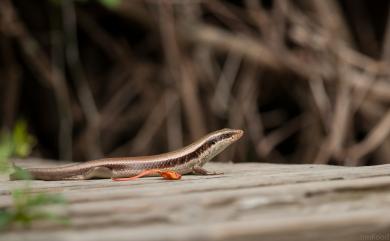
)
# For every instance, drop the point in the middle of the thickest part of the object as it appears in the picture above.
(198, 170)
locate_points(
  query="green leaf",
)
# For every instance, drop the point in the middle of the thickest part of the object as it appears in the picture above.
(18, 143)
(5, 145)
(6, 149)
(5, 218)
(110, 3)
(19, 197)
(22, 140)
(4, 166)
(27, 207)
(44, 199)
(20, 174)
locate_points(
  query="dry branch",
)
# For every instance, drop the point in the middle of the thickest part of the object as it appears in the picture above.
(149, 76)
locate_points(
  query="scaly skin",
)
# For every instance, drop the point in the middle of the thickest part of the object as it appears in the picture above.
(189, 159)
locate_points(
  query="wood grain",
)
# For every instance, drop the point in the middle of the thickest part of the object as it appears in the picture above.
(249, 202)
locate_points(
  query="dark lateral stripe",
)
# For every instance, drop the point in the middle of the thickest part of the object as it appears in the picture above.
(195, 154)
(176, 161)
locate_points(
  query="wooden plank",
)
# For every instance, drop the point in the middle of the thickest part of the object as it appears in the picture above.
(251, 201)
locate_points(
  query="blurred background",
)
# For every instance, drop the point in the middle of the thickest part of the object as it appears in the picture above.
(307, 80)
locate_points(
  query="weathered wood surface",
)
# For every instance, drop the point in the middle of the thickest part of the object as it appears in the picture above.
(249, 202)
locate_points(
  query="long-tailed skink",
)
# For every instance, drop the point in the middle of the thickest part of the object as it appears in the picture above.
(189, 159)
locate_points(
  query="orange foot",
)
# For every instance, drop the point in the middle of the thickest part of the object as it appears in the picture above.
(168, 175)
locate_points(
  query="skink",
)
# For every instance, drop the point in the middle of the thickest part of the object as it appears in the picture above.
(189, 159)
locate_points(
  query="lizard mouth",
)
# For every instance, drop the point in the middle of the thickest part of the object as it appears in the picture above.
(238, 134)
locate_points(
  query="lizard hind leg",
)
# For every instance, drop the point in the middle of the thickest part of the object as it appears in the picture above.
(98, 172)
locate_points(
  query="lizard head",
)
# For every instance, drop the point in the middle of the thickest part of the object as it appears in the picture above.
(219, 140)
(227, 135)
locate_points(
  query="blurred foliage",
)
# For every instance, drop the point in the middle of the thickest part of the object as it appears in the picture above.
(18, 143)
(27, 207)
(110, 3)
(187, 68)
(20, 174)
(5, 152)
